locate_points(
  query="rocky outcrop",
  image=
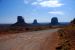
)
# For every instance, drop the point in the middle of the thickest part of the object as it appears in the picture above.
(35, 22)
(20, 19)
(20, 22)
(54, 21)
(73, 21)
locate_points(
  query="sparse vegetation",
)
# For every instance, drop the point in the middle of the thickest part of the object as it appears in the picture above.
(67, 37)
(20, 29)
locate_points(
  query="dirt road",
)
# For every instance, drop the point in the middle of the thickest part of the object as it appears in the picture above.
(37, 40)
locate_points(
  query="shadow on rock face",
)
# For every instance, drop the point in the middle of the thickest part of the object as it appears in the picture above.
(20, 25)
(35, 22)
(54, 21)
(20, 22)
(73, 21)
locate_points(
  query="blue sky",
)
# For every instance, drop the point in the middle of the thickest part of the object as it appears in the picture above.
(42, 10)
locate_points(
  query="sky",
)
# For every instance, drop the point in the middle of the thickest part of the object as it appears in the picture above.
(42, 10)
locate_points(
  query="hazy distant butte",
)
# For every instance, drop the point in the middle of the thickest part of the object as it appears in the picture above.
(20, 22)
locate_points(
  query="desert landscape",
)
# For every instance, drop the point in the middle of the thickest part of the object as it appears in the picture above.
(23, 36)
(37, 25)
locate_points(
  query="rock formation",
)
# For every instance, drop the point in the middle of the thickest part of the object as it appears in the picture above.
(35, 22)
(54, 21)
(20, 21)
(73, 21)
(20, 25)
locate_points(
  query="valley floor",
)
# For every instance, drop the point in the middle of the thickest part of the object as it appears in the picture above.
(36, 40)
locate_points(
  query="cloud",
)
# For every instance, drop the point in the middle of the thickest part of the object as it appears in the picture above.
(39, 0)
(56, 12)
(26, 2)
(35, 3)
(48, 3)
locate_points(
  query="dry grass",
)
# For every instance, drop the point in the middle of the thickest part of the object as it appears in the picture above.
(12, 30)
(67, 37)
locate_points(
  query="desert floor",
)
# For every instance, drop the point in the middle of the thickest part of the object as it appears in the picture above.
(36, 40)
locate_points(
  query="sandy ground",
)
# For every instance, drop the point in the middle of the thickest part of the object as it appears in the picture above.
(37, 40)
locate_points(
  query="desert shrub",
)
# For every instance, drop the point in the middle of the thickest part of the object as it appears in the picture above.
(67, 37)
(27, 29)
(64, 46)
